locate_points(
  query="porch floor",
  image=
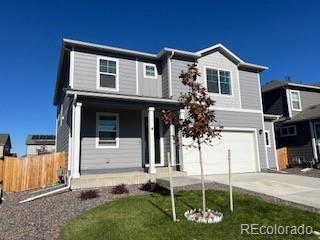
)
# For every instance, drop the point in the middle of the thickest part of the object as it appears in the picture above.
(128, 178)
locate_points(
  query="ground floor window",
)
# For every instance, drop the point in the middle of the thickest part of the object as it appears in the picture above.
(107, 130)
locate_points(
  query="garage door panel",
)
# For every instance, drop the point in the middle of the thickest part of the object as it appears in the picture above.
(215, 157)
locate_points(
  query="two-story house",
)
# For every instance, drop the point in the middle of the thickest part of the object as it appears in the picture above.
(109, 102)
(299, 127)
(5, 145)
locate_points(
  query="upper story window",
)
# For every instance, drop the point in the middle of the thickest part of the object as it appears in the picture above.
(107, 130)
(150, 70)
(218, 81)
(108, 73)
(288, 131)
(267, 135)
(295, 100)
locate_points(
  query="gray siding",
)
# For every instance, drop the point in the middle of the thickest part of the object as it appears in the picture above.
(128, 155)
(176, 67)
(166, 143)
(219, 61)
(63, 130)
(245, 120)
(308, 99)
(250, 90)
(85, 73)
(271, 150)
(1, 152)
(149, 86)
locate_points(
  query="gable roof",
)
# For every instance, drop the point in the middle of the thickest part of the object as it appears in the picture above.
(68, 44)
(310, 113)
(4, 138)
(276, 84)
(41, 139)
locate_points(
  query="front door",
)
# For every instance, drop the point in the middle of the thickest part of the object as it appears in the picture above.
(156, 141)
(317, 133)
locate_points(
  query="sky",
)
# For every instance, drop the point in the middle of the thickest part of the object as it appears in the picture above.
(283, 35)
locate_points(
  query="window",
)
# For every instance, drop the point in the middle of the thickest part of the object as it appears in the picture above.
(107, 73)
(150, 71)
(295, 100)
(218, 81)
(107, 130)
(288, 131)
(267, 135)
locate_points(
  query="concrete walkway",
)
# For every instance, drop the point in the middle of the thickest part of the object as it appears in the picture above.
(298, 189)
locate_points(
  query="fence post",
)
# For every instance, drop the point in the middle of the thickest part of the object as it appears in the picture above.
(230, 180)
(174, 217)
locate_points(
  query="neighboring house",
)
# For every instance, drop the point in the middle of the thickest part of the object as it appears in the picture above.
(40, 144)
(5, 145)
(109, 101)
(298, 129)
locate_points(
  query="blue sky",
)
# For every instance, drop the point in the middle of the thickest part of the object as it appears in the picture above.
(283, 35)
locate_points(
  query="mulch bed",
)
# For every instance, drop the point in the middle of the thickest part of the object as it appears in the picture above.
(297, 171)
(45, 217)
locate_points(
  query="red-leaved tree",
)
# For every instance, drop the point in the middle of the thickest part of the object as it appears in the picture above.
(198, 124)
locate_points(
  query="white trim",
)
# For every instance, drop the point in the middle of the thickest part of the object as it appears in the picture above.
(219, 87)
(316, 140)
(289, 134)
(169, 76)
(313, 139)
(137, 76)
(71, 73)
(161, 143)
(274, 146)
(172, 145)
(145, 65)
(260, 93)
(76, 140)
(143, 139)
(55, 142)
(98, 114)
(69, 151)
(239, 90)
(151, 141)
(267, 137)
(116, 89)
(219, 45)
(291, 100)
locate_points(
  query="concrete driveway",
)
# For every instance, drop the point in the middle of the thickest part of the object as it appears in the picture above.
(293, 188)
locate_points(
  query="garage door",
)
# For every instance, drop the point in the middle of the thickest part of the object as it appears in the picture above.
(243, 152)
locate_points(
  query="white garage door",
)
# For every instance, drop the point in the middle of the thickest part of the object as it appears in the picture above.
(243, 154)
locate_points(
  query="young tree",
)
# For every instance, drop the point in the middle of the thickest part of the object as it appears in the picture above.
(198, 124)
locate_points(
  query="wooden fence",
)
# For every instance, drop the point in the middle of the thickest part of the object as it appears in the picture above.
(282, 154)
(20, 174)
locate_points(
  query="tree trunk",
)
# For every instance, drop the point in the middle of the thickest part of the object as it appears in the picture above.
(202, 179)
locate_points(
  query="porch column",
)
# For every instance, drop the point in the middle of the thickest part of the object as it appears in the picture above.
(313, 140)
(151, 143)
(181, 117)
(76, 141)
(172, 145)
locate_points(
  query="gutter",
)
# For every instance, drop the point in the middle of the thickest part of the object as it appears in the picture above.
(170, 73)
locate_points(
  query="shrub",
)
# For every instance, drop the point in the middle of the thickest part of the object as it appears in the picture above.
(119, 189)
(89, 194)
(153, 187)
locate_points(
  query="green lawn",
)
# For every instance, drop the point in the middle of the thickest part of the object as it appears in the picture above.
(149, 217)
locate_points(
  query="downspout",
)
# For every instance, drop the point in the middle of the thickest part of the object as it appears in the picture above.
(170, 74)
(314, 145)
(67, 187)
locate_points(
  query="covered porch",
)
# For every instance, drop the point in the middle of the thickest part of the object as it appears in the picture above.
(114, 138)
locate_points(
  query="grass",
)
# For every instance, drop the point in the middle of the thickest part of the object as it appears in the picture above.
(148, 217)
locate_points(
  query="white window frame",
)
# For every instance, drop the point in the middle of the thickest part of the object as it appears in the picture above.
(291, 100)
(150, 65)
(267, 137)
(219, 87)
(116, 75)
(287, 127)
(116, 145)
